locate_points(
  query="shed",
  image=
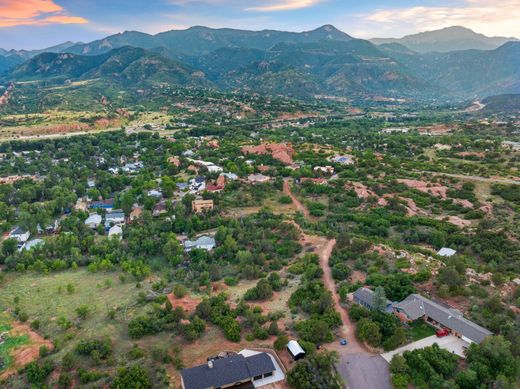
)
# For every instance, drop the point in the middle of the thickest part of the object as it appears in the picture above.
(295, 350)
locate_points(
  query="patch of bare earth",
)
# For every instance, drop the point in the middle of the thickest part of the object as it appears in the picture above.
(26, 353)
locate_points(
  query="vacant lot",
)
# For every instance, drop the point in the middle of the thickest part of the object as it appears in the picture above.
(54, 298)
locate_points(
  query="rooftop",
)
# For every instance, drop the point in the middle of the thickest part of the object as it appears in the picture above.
(227, 371)
(416, 306)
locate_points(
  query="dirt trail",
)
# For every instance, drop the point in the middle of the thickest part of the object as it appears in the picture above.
(324, 248)
(297, 203)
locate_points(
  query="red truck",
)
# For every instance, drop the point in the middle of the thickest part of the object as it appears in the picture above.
(442, 332)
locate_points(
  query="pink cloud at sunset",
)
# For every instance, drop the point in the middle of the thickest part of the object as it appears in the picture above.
(34, 12)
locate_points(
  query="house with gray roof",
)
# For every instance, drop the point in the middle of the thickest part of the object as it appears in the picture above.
(364, 296)
(416, 306)
(232, 371)
(203, 243)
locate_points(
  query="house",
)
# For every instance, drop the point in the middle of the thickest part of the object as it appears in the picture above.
(175, 161)
(93, 221)
(50, 228)
(343, 159)
(202, 243)
(514, 146)
(221, 181)
(446, 252)
(214, 188)
(295, 350)
(230, 176)
(114, 218)
(232, 371)
(258, 179)
(136, 213)
(20, 234)
(154, 193)
(159, 209)
(32, 244)
(91, 184)
(415, 307)
(103, 204)
(197, 184)
(364, 296)
(199, 206)
(181, 186)
(115, 231)
(324, 169)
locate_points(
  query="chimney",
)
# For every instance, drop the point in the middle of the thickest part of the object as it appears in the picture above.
(210, 364)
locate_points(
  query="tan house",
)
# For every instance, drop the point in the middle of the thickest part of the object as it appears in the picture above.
(199, 206)
(258, 179)
(175, 161)
(136, 213)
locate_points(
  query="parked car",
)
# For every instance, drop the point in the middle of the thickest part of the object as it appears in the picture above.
(343, 342)
(442, 332)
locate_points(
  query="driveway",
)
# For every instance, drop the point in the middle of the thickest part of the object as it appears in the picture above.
(364, 371)
(451, 343)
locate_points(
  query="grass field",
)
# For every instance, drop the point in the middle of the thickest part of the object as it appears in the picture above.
(49, 299)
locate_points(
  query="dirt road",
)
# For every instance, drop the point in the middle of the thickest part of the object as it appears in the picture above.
(324, 248)
(348, 328)
(297, 203)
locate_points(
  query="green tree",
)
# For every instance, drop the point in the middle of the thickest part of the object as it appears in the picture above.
(134, 377)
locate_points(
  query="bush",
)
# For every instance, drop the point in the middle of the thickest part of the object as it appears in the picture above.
(180, 291)
(37, 373)
(88, 376)
(134, 377)
(281, 342)
(141, 326)
(101, 348)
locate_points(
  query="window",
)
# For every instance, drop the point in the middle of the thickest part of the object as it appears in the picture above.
(268, 374)
(258, 377)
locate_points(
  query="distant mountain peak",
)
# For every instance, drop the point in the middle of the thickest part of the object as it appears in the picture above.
(453, 38)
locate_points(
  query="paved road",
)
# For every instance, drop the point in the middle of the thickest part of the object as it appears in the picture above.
(364, 371)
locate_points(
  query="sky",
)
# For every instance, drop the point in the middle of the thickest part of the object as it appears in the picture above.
(34, 24)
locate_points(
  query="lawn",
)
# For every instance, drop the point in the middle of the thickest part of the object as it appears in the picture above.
(420, 330)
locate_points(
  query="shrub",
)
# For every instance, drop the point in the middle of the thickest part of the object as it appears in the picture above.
(134, 377)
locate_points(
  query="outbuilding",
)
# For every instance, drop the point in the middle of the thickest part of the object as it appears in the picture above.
(295, 350)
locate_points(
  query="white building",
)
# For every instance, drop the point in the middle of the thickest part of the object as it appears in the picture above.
(20, 234)
(203, 243)
(115, 231)
(446, 252)
(93, 221)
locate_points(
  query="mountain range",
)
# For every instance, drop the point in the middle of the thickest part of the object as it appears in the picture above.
(447, 39)
(322, 61)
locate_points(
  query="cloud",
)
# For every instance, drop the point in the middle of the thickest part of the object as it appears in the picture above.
(255, 5)
(487, 16)
(284, 5)
(34, 12)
